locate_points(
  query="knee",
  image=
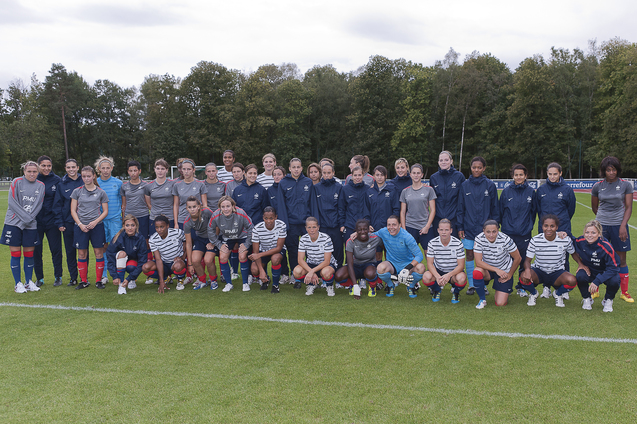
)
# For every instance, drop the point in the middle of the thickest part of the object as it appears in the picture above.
(420, 269)
(428, 278)
(370, 273)
(121, 254)
(276, 259)
(298, 272)
(327, 272)
(478, 274)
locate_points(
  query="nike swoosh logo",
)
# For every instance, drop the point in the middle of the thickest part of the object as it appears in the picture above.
(468, 194)
(350, 196)
(68, 189)
(543, 195)
(318, 195)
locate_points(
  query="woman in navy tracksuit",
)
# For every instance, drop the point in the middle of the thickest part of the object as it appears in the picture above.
(63, 219)
(517, 211)
(324, 199)
(251, 196)
(46, 224)
(385, 199)
(127, 253)
(354, 203)
(601, 266)
(477, 202)
(446, 184)
(294, 207)
(402, 180)
(557, 198)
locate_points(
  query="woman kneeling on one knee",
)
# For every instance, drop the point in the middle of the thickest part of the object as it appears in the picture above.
(497, 257)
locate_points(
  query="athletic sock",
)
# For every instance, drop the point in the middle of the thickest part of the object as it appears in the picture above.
(202, 279)
(623, 276)
(225, 271)
(234, 260)
(15, 266)
(563, 289)
(28, 266)
(99, 269)
(529, 287)
(245, 271)
(82, 267)
(330, 281)
(417, 278)
(478, 283)
(470, 267)
(386, 277)
(276, 274)
(372, 282)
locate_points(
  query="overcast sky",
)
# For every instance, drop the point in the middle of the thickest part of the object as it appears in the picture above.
(124, 41)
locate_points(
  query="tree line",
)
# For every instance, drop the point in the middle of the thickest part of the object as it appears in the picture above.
(574, 107)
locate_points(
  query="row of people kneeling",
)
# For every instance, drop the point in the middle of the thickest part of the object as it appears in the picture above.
(208, 234)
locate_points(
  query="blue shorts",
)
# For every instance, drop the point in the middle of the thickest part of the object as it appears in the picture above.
(468, 244)
(548, 279)
(504, 287)
(611, 233)
(422, 239)
(200, 243)
(111, 227)
(359, 269)
(96, 236)
(14, 236)
(231, 242)
(144, 226)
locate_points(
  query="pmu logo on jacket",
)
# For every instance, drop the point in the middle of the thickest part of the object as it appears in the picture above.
(27, 198)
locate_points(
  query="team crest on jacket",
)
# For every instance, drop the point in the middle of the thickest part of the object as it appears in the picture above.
(529, 200)
(386, 194)
(335, 196)
(256, 195)
(53, 188)
(218, 189)
(453, 185)
(306, 188)
(486, 193)
(594, 254)
(560, 195)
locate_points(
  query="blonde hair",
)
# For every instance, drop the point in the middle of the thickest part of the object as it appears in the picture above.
(29, 163)
(594, 223)
(101, 159)
(128, 217)
(401, 160)
(229, 199)
(269, 155)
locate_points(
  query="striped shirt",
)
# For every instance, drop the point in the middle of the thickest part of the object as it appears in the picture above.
(265, 180)
(268, 239)
(445, 257)
(223, 175)
(315, 250)
(161, 198)
(171, 247)
(550, 256)
(498, 253)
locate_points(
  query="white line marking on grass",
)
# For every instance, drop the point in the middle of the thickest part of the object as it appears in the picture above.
(634, 228)
(330, 323)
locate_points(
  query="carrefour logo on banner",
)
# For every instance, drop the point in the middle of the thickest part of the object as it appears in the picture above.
(581, 184)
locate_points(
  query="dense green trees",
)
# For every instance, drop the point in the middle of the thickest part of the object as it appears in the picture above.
(573, 107)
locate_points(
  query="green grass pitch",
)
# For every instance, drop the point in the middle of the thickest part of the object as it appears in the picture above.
(61, 365)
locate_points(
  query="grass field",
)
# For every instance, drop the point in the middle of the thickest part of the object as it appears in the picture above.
(208, 365)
